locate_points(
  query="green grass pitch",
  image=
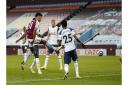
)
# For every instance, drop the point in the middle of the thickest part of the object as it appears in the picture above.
(96, 70)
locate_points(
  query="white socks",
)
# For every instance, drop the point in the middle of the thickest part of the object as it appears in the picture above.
(76, 68)
(46, 61)
(38, 65)
(60, 62)
(35, 61)
(26, 56)
(66, 69)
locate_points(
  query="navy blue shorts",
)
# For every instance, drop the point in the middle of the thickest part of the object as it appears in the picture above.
(70, 55)
(24, 48)
(51, 49)
(36, 51)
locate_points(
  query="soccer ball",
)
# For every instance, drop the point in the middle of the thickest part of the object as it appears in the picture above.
(100, 52)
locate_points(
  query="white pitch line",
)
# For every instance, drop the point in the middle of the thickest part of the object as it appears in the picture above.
(60, 78)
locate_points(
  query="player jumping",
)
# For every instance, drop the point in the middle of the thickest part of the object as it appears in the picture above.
(52, 44)
(32, 31)
(24, 46)
(67, 38)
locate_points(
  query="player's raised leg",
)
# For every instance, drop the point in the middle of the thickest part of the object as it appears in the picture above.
(50, 51)
(26, 56)
(45, 62)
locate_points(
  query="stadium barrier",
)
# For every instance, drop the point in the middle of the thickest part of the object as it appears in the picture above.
(89, 50)
(81, 52)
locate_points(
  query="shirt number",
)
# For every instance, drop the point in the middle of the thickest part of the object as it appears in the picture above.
(67, 38)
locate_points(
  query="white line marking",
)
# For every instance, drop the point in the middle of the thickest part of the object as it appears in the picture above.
(60, 78)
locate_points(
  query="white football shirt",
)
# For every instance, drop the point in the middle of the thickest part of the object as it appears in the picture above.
(53, 35)
(68, 39)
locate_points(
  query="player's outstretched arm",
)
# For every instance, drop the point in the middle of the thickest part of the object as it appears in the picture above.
(79, 41)
(23, 36)
(43, 35)
(59, 44)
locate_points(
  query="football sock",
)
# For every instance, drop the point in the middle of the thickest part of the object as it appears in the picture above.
(38, 66)
(37, 63)
(66, 69)
(76, 68)
(60, 62)
(46, 61)
(33, 63)
(26, 56)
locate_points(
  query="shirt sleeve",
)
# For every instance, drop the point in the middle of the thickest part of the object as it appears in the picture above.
(37, 25)
(37, 29)
(59, 30)
(59, 37)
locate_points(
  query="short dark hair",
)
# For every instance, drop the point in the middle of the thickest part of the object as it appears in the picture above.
(38, 14)
(64, 23)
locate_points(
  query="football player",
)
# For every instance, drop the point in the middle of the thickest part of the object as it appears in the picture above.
(67, 39)
(52, 44)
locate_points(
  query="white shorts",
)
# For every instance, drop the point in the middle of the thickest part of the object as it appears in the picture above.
(30, 42)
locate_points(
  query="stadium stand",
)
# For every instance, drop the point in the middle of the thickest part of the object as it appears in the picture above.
(12, 16)
(107, 21)
(25, 18)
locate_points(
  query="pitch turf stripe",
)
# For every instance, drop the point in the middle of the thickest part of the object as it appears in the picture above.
(61, 78)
